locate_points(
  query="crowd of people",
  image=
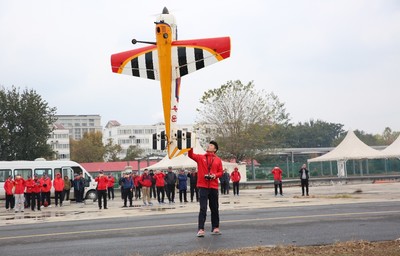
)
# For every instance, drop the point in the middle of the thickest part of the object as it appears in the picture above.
(34, 193)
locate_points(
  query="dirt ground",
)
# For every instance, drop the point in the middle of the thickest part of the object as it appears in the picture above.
(353, 248)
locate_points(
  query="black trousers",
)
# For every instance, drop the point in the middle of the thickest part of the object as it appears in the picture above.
(46, 196)
(58, 195)
(280, 188)
(35, 201)
(211, 196)
(236, 188)
(110, 193)
(138, 192)
(171, 192)
(193, 190)
(153, 192)
(102, 196)
(160, 194)
(66, 194)
(28, 197)
(304, 184)
(223, 187)
(10, 201)
(126, 193)
(78, 196)
(182, 192)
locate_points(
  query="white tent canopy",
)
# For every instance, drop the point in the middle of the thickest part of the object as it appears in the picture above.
(350, 148)
(393, 150)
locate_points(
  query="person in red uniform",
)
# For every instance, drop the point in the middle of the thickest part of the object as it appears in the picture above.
(45, 183)
(102, 182)
(28, 191)
(8, 188)
(235, 177)
(146, 181)
(58, 184)
(160, 184)
(138, 186)
(36, 188)
(19, 184)
(209, 167)
(277, 172)
(110, 187)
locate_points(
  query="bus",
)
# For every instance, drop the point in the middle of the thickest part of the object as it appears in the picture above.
(40, 166)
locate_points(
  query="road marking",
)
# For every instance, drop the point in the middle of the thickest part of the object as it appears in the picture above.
(191, 224)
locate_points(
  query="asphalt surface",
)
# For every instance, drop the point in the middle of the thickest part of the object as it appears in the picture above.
(256, 217)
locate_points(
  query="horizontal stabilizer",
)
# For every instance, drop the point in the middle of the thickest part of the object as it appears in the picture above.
(180, 139)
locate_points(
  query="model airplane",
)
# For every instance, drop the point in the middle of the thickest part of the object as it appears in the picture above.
(167, 60)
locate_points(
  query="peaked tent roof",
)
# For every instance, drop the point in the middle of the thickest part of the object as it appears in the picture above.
(350, 148)
(183, 161)
(393, 150)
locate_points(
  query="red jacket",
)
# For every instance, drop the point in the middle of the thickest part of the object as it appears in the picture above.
(36, 186)
(211, 160)
(145, 180)
(277, 172)
(46, 182)
(160, 182)
(136, 180)
(58, 184)
(8, 186)
(102, 182)
(235, 176)
(29, 185)
(19, 186)
(111, 181)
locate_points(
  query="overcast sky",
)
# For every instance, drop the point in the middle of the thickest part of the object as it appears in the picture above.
(337, 61)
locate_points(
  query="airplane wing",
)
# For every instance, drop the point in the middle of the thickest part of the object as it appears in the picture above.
(142, 62)
(191, 55)
(187, 56)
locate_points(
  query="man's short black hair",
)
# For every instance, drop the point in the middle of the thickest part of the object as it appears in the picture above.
(215, 145)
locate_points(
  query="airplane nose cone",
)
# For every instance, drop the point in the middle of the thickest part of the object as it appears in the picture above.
(165, 11)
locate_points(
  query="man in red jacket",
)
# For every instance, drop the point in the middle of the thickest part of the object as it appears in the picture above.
(19, 184)
(146, 181)
(110, 187)
(8, 187)
(28, 191)
(277, 172)
(58, 184)
(102, 182)
(210, 169)
(235, 177)
(36, 193)
(160, 184)
(45, 183)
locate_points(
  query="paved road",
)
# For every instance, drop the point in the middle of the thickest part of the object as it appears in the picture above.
(165, 233)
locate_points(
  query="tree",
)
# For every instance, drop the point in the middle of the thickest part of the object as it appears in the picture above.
(89, 149)
(389, 136)
(25, 125)
(312, 134)
(241, 117)
(112, 150)
(133, 152)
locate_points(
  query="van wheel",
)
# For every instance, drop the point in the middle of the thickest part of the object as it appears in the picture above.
(91, 195)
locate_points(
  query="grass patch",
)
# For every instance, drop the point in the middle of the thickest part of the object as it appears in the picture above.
(351, 248)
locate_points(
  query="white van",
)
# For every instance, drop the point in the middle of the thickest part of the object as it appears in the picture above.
(51, 168)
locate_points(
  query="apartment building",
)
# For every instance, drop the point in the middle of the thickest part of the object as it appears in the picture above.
(78, 125)
(59, 142)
